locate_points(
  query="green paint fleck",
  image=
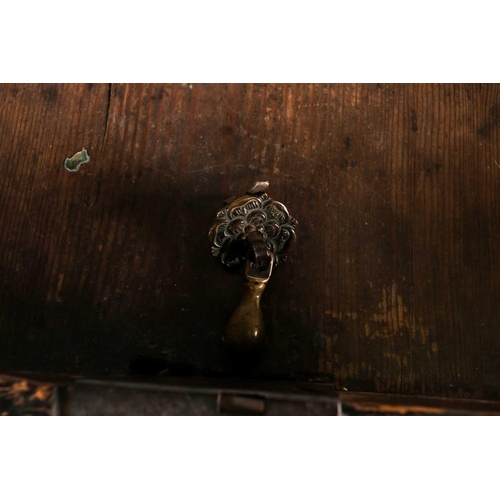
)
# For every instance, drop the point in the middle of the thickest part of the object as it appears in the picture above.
(73, 164)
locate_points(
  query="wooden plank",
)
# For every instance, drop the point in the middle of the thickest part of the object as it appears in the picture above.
(165, 396)
(393, 285)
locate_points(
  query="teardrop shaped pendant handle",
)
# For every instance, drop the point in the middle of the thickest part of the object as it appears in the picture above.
(245, 330)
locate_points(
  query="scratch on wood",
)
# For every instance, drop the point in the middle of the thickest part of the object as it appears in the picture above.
(108, 106)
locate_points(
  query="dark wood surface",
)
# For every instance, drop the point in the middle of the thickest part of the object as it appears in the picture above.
(393, 285)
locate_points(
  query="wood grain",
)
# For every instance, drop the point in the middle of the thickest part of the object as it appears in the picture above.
(393, 285)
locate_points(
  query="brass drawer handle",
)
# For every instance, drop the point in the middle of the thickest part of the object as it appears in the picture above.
(246, 326)
(251, 234)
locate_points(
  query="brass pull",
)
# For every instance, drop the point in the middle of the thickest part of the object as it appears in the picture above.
(246, 326)
(252, 234)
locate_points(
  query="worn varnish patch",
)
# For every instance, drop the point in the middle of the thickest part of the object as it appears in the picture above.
(395, 186)
(25, 397)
